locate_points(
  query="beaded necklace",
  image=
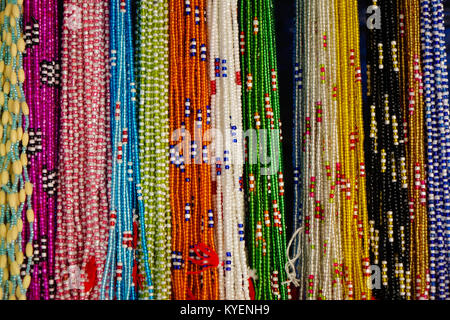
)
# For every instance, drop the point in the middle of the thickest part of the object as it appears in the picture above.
(153, 87)
(84, 154)
(194, 260)
(413, 106)
(351, 174)
(127, 205)
(386, 158)
(435, 78)
(316, 110)
(263, 179)
(16, 191)
(42, 87)
(226, 119)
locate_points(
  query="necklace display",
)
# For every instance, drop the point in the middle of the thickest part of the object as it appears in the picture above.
(194, 259)
(84, 152)
(316, 109)
(413, 107)
(435, 81)
(127, 204)
(351, 173)
(16, 236)
(41, 66)
(153, 87)
(386, 158)
(226, 119)
(263, 170)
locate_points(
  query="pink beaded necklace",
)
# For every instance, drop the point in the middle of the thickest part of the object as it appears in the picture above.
(82, 214)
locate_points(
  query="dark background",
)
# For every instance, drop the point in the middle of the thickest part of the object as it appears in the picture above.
(285, 25)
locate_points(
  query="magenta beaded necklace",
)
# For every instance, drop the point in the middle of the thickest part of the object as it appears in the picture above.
(42, 92)
(84, 152)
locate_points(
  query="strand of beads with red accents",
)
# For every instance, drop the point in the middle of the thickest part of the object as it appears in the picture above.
(84, 152)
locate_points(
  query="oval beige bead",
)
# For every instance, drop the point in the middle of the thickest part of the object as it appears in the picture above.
(25, 139)
(5, 177)
(26, 281)
(20, 225)
(8, 146)
(21, 75)
(6, 87)
(24, 159)
(8, 9)
(16, 11)
(13, 136)
(14, 233)
(13, 50)
(2, 66)
(8, 71)
(17, 167)
(5, 117)
(12, 21)
(14, 268)
(8, 39)
(13, 78)
(19, 293)
(5, 274)
(22, 196)
(2, 149)
(16, 107)
(29, 249)
(1, 294)
(13, 200)
(25, 109)
(21, 44)
(2, 99)
(19, 257)
(2, 230)
(28, 188)
(3, 261)
(19, 133)
(30, 216)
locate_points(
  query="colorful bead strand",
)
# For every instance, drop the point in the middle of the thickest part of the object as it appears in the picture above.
(84, 152)
(319, 244)
(127, 204)
(16, 189)
(194, 259)
(153, 87)
(355, 226)
(263, 170)
(41, 64)
(436, 94)
(226, 119)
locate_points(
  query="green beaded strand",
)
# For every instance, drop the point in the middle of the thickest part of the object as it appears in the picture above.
(262, 112)
(153, 83)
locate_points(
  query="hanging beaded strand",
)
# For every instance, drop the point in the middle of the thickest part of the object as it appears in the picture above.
(153, 86)
(194, 259)
(16, 191)
(414, 108)
(435, 79)
(127, 206)
(84, 152)
(263, 181)
(226, 119)
(352, 177)
(42, 86)
(319, 247)
(385, 151)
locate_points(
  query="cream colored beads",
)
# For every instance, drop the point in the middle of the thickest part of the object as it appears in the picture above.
(16, 190)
